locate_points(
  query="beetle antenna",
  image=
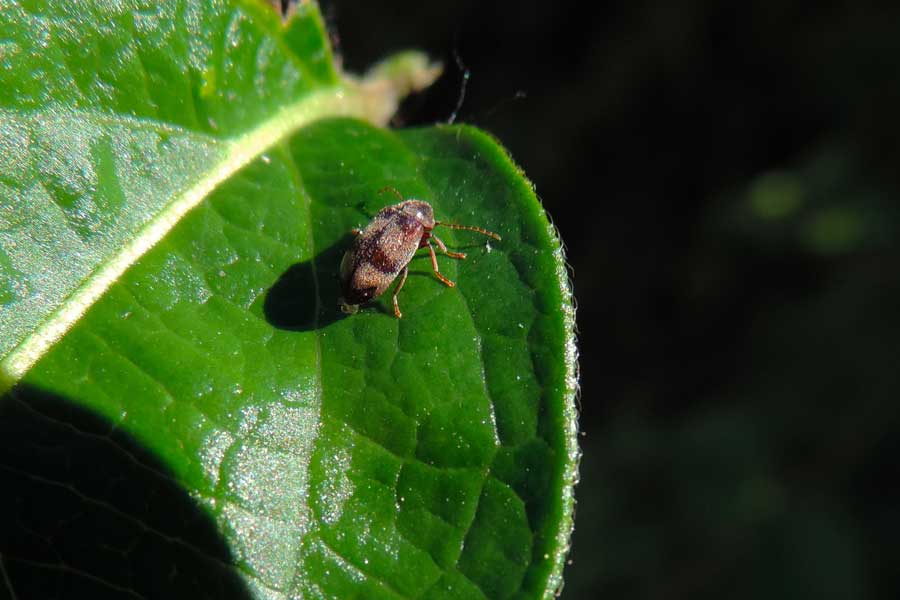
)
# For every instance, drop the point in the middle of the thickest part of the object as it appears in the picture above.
(392, 189)
(490, 234)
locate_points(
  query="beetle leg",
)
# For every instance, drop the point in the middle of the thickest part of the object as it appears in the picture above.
(443, 248)
(397, 312)
(434, 266)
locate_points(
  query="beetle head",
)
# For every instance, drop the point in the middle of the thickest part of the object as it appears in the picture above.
(420, 210)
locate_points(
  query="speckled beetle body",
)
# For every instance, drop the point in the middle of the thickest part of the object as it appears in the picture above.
(383, 250)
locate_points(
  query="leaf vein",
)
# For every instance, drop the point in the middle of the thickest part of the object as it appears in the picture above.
(384, 583)
(66, 568)
(172, 539)
(6, 580)
(104, 437)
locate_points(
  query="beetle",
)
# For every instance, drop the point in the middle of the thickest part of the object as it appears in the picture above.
(383, 249)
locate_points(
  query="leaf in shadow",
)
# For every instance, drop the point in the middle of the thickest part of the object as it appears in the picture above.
(89, 513)
(305, 296)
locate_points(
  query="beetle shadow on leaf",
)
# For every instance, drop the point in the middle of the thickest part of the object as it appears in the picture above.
(305, 297)
(87, 509)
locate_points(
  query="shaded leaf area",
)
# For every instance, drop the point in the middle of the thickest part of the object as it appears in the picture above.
(431, 456)
(89, 513)
(110, 112)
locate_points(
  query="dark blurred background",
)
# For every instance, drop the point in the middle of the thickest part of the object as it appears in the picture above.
(725, 177)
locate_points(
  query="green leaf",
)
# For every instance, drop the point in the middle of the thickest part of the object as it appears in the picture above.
(207, 422)
(117, 119)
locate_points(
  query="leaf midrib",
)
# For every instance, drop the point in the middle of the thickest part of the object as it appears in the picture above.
(240, 151)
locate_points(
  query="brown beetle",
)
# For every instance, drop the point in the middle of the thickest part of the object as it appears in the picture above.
(384, 248)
